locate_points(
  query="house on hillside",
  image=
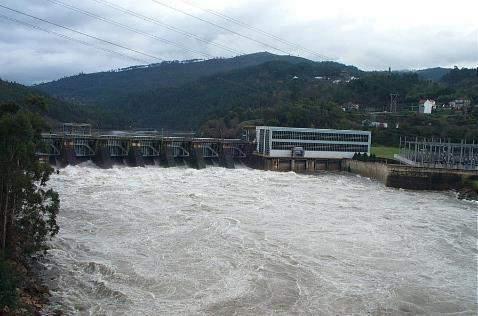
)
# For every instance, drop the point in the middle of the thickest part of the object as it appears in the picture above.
(460, 104)
(350, 106)
(426, 106)
(370, 124)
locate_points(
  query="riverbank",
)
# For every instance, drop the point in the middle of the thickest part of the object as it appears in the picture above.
(22, 289)
(469, 191)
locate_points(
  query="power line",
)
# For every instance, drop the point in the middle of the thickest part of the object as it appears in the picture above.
(81, 33)
(71, 38)
(110, 51)
(255, 29)
(252, 88)
(231, 82)
(93, 15)
(221, 27)
(167, 26)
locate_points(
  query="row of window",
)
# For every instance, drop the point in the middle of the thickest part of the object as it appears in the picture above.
(264, 146)
(268, 143)
(321, 147)
(360, 138)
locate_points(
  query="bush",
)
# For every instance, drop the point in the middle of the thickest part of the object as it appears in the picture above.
(475, 185)
(8, 295)
(365, 157)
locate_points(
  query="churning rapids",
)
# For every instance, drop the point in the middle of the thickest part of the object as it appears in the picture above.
(150, 241)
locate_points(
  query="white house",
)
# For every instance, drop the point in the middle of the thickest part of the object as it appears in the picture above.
(459, 104)
(368, 123)
(426, 106)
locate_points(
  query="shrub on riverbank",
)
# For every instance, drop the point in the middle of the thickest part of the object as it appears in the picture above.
(469, 190)
(475, 185)
(8, 295)
(365, 157)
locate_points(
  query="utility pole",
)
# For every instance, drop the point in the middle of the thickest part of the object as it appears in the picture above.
(394, 97)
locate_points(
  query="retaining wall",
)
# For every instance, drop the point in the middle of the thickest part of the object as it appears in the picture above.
(377, 171)
(412, 178)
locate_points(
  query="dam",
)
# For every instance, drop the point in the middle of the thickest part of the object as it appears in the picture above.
(76, 143)
(301, 150)
(267, 148)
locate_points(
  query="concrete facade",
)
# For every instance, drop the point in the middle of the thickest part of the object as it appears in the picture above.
(411, 178)
(279, 142)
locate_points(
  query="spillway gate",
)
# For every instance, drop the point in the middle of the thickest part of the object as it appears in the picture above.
(74, 145)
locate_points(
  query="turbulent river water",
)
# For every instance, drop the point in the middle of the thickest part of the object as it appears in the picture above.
(153, 241)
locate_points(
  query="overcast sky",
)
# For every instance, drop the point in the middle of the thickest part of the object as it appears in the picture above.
(371, 34)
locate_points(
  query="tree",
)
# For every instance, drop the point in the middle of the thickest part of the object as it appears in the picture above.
(28, 209)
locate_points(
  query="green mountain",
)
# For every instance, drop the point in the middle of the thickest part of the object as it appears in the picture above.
(265, 85)
(105, 88)
(217, 96)
(181, 95)
(56, 110)
(434, 74)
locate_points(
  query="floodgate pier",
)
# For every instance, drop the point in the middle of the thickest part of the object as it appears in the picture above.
(263, 147)
(76, 143)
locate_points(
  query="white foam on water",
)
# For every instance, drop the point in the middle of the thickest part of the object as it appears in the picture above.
(149, 241)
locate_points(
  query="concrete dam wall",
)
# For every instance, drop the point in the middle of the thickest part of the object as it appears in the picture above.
(412, 178)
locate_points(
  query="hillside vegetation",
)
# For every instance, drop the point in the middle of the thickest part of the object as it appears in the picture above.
(56, 111)
(108, 88)
(28, 207)
(217, 97)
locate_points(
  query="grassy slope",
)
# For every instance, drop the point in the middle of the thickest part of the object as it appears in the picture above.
(384, 152)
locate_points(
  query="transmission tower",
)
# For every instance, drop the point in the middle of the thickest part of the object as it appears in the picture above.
(394, 98)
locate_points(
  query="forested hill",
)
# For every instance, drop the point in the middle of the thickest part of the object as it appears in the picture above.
(57, 110)
(266, 85)
(435, 74)
(274, 88)
(104, 88)
(259, 87)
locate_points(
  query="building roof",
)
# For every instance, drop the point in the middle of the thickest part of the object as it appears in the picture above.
(422, 101)
(312, 130)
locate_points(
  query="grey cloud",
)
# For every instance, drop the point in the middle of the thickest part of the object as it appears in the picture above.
(30, 56)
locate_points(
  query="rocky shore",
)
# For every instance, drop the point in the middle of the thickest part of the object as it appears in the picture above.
(33, 295)
(468, 193)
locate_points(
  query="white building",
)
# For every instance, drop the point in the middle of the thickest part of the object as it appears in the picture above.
(283, 142)
(426, 106)
(378, 124)
(459, 104)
